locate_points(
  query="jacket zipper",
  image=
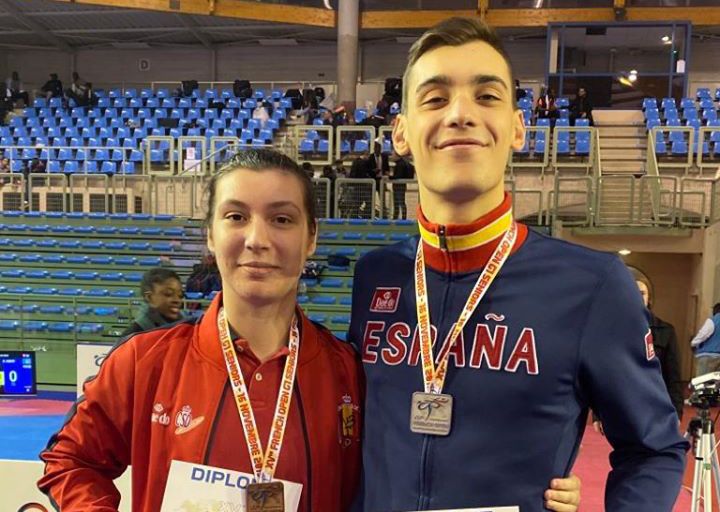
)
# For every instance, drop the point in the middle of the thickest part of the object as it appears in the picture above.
(423, 500)
(308, 455)
(211, 438)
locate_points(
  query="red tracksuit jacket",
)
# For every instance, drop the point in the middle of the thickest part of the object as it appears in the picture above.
(118, 422)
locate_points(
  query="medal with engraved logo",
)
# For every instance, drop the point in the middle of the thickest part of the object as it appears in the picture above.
(431, 410)
(265, 494)
(266, 497)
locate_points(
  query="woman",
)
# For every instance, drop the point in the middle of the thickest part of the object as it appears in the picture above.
(162, 291)
(261, 228)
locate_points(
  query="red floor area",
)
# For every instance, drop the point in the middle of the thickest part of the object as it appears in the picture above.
(33, 407)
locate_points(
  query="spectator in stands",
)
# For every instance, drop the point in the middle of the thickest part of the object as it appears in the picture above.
(77, 90)
(358, 196)
(308, 169)
(261, 113)
(37, 166)
(329, 173)
(706, 344)
(545, 107)
(205, 277)
(403, 170)
(519, 91)
(53, 88)
(4, 165)
(162, 291)
(581, 107)
(173, 393)
(14, 89)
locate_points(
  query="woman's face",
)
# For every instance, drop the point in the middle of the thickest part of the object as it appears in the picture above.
(166, 297)
(260, 235)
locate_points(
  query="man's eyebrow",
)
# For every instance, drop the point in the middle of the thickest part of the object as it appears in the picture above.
(486, 79)
(475, 80)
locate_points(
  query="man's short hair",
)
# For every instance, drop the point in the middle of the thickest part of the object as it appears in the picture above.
(455, 31)
(716, 308)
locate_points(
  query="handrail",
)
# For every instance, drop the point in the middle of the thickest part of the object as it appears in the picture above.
(652, 170)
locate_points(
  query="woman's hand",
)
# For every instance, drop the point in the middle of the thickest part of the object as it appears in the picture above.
(563, 495)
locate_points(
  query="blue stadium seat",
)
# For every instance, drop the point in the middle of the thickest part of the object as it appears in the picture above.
(307, 146)
(582, 147)
(361, 146)
(679, 148)
(70, 167)
(563, 146)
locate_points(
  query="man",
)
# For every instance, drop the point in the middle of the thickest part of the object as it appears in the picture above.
(53, 88)
(581, 107)
(14, 89)
(706, 344)
(561, 329)
(403, 170)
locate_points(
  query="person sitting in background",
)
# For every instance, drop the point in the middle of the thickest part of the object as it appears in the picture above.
(545, 107)
(4, 165)
(77, 90)
(520, 93)
(581, 107)
(53, 88)
(162, 291)
(205, 277)
(706, 344)
(261, 114)
(14, 89)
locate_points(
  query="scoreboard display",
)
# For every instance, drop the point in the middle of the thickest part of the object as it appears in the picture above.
(17, 373)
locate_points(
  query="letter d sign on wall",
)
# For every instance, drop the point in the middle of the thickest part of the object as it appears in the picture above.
(144, 64)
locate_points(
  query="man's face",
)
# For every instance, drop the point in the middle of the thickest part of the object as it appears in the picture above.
(581, 92)
(460, 120)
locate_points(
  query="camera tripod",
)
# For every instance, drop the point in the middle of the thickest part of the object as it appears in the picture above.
(702, 432)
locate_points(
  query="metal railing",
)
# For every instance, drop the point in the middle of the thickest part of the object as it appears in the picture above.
(650, 201)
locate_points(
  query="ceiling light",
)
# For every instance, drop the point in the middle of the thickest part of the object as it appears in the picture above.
(538, 4)
(665, 39)
(633, 71)
(632, 78)
(624, 252)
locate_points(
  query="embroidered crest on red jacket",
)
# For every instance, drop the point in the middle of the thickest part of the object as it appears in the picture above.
(385, 300)
(348, 422)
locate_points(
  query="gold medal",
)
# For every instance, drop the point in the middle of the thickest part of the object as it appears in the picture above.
(266, 497)
(431, 413)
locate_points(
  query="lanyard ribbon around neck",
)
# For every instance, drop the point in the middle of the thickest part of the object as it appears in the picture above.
(434, 379)
(264, 464)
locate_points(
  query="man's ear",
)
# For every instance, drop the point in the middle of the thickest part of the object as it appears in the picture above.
(518, 136)
(399, 136)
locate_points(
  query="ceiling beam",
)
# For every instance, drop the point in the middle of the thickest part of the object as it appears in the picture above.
(192, 27)
(507, 18)
(39, 30)
(229, 9)
(418, 19)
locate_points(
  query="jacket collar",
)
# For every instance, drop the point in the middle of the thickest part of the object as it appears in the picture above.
(207, 337)
(467, 247)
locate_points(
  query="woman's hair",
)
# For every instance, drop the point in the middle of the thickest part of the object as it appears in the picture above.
(264, 160)
(156, 276)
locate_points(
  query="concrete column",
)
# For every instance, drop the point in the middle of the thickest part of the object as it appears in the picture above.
(347, 57)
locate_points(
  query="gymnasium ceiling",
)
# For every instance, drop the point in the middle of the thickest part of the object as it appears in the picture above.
(70, 25)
